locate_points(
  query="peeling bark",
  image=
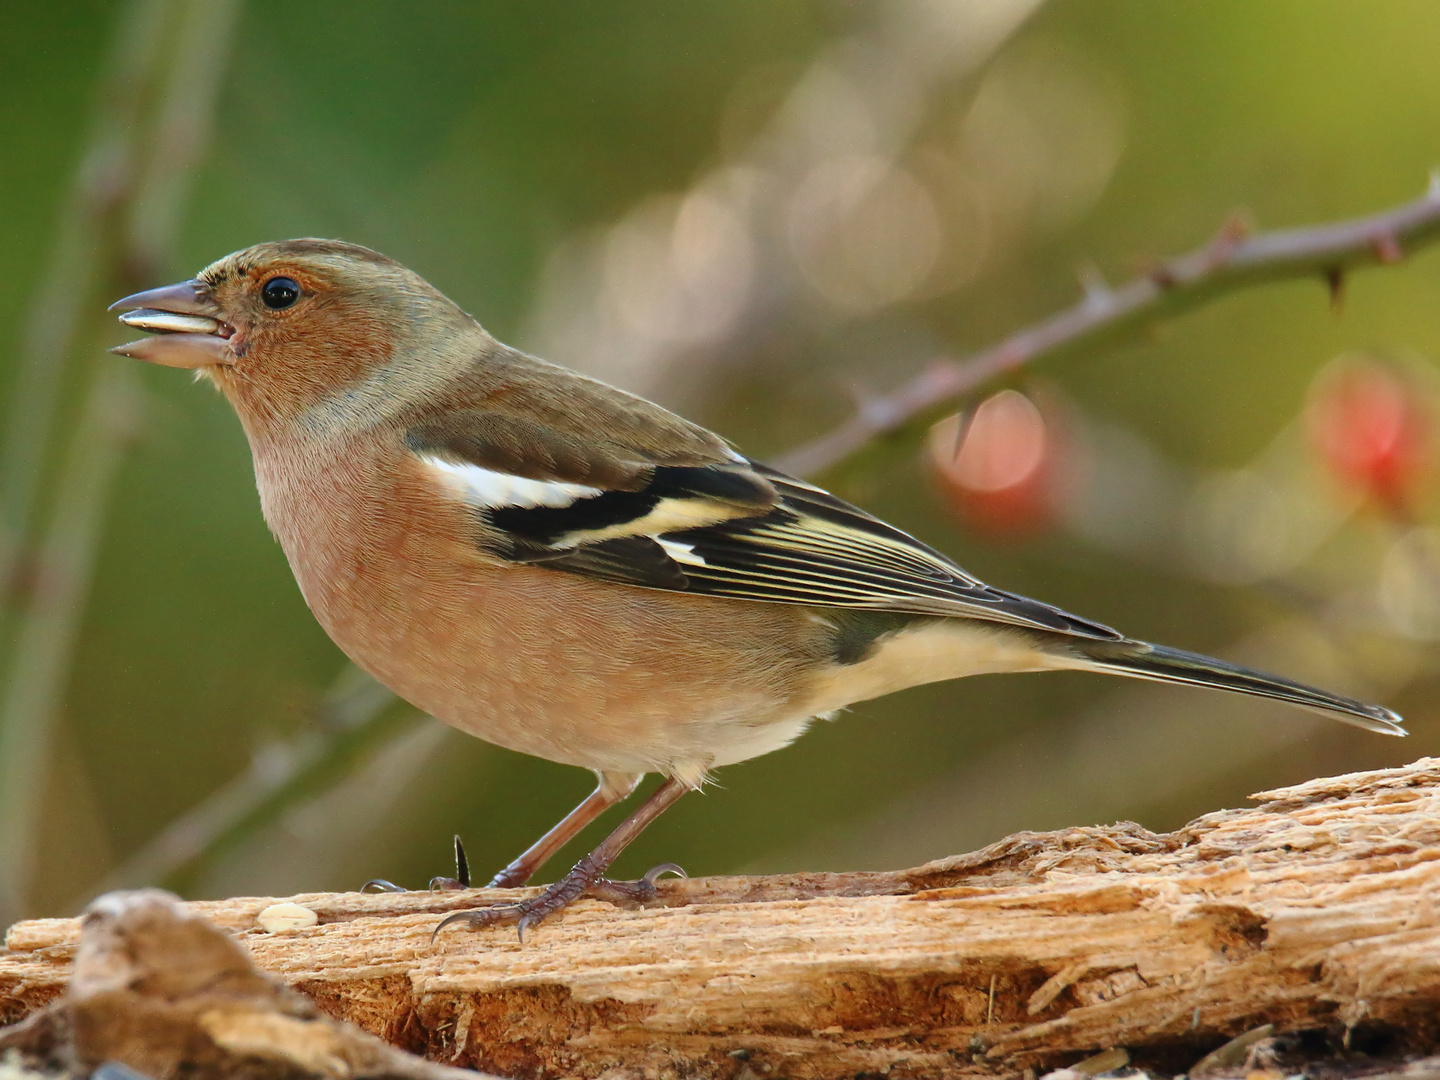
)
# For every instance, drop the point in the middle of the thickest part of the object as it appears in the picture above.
(1316, 911)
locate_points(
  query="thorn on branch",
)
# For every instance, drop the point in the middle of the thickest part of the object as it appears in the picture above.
(860, 393)
(1096, 289)
(1386, 246)
(1011, 355)
(961, 420)
(1233, 229)
(870, 405)
(1163, 276)
(1335, 282)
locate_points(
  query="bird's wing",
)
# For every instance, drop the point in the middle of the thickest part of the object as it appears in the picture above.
(730, 527)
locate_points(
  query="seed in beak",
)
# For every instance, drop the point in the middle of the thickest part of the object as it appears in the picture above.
(170, 322)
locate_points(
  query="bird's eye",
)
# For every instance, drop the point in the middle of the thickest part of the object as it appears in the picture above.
(280, 292)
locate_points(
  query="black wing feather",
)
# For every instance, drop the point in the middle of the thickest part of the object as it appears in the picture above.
(784, 541)
(779, 558)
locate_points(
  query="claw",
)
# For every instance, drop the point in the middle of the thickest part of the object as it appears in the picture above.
(462, 864)
(653, 874)
(379, 884)
(479, 918)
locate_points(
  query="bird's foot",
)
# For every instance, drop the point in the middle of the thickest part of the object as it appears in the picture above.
(461, 880)
(584, 879)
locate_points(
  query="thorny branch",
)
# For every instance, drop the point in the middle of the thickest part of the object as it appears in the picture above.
(1230, 262)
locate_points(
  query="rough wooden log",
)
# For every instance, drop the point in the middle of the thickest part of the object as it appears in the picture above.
(1318, 911)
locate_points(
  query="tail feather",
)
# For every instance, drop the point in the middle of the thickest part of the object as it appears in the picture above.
(1144, 661)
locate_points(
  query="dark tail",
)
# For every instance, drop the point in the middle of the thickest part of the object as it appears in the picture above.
(1144, 661)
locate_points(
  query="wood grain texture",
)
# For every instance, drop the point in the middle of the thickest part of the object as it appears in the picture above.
(1317, 910)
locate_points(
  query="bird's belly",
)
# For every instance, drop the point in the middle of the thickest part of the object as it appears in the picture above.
(541, 661)
(601, 676)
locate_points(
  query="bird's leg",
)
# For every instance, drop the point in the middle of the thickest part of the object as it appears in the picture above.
(612, 788)
(587, 876)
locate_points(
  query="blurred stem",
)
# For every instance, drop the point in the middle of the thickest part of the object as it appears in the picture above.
(183, 42)
(183, 126)
(1229, 263)
(47, 640)
(88, 221)
(356, 717)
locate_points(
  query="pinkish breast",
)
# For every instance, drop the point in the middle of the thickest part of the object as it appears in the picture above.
(544, 662)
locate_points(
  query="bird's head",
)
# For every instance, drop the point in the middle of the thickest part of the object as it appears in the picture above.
(289, 329)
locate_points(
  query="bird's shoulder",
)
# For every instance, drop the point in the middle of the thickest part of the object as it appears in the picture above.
(544, 421)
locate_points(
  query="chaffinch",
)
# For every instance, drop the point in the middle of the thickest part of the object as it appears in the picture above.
(559, 567)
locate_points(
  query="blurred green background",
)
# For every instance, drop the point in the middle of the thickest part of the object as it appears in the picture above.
(744, 211)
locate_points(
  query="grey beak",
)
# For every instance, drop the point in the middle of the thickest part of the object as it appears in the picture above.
(185, 297)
